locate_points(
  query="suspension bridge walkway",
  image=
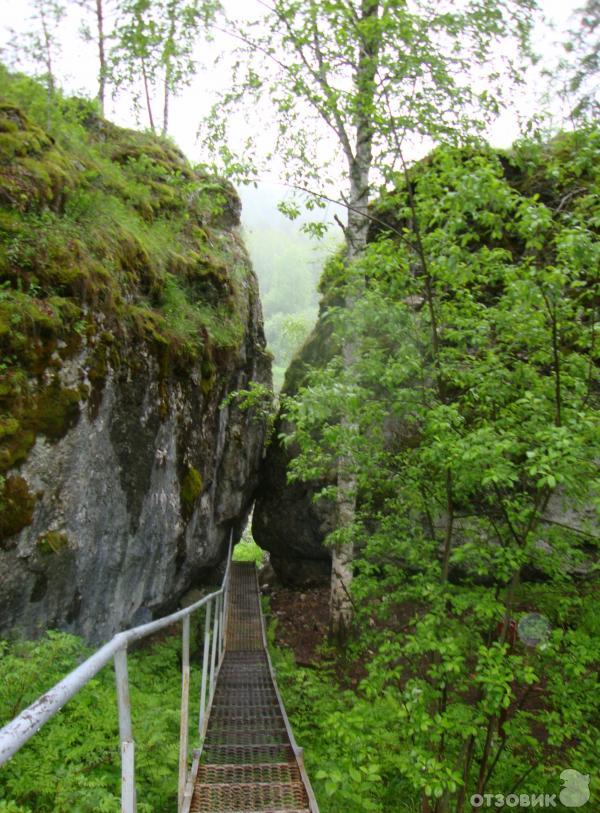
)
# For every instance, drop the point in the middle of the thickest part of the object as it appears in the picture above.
(247, 760)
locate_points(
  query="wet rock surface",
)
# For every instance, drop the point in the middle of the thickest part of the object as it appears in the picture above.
(112, 488)
(114, 538)
(287, 521)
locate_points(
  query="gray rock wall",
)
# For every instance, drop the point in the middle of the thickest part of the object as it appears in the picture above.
(286, 520)
(113, 542)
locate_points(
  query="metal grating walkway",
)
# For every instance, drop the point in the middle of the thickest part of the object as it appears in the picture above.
(249, 760)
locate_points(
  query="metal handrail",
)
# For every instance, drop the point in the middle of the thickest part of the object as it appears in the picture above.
(15, 734)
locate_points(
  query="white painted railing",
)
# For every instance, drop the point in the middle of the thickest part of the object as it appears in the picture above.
(16, 733)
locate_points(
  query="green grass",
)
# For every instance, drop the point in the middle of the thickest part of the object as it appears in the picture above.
(247, 550)
(113, 218)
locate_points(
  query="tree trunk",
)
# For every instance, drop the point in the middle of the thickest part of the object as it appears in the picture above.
(50, 87)
(47, 54)
(101, 55)
(356, 239)
(169, 48)
(147, 93)
(165, 126)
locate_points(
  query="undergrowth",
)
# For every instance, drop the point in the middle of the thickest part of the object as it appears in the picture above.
(346, 738)
(72, 765)
(356, 738)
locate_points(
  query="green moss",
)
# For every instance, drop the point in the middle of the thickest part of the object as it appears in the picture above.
(9, 426)
(16, 506)
(191, 488)
(102, 231)
(52, 542)
(30, 327)
(45, 173)
(55, 411)
(209, 376)
(51, 411)
(15, 442)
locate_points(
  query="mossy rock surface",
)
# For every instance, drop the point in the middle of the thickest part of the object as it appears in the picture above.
(16, 506)
(56, 410)
(52, 542)
(191, 488)
(104, 231)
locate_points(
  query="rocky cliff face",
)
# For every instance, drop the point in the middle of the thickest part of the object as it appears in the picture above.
(286, 520)
(128, 313)
(130, 507)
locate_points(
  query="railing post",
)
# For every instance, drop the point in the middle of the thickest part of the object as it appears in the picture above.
(128, 802)
(205, 657)
(185, 704)
(222, 622)
(213, 651)
(226, 608)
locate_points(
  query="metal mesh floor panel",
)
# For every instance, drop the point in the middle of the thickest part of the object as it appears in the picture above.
(233, 736)
(248, 764)
(280, 773)
(238, 716)
(250, 796)
(245, 754)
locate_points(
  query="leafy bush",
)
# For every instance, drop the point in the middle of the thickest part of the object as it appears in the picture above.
(469, 419)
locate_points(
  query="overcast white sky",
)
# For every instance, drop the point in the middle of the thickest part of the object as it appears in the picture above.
(77, 66)
(77, 71)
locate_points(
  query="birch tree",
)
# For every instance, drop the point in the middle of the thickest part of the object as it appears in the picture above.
(156, 41)
(97, 10)
(39, 44)
(583, 47)
(182, 24)
(362, 77)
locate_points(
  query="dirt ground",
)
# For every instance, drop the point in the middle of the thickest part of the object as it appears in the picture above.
(301, 617)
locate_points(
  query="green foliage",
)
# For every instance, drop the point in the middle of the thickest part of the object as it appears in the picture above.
(350, 740)
(321, 64)
(470, 421)
(156, 40)
(258, 401)
(247, 550)
(73, 763)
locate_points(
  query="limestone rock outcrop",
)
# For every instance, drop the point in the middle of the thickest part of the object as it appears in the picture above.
(286, 520)
(129, 312)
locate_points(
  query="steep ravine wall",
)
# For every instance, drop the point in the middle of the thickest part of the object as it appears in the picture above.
(128, 313)
(115, 538)
(287, 521)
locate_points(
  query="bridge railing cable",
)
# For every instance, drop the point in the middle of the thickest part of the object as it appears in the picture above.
(15, 734)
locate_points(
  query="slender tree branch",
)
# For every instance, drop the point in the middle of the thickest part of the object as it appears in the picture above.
(284, 67)
(564, 525)
(337, 123)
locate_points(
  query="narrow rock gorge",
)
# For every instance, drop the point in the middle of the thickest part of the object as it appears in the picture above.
(287, 521)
